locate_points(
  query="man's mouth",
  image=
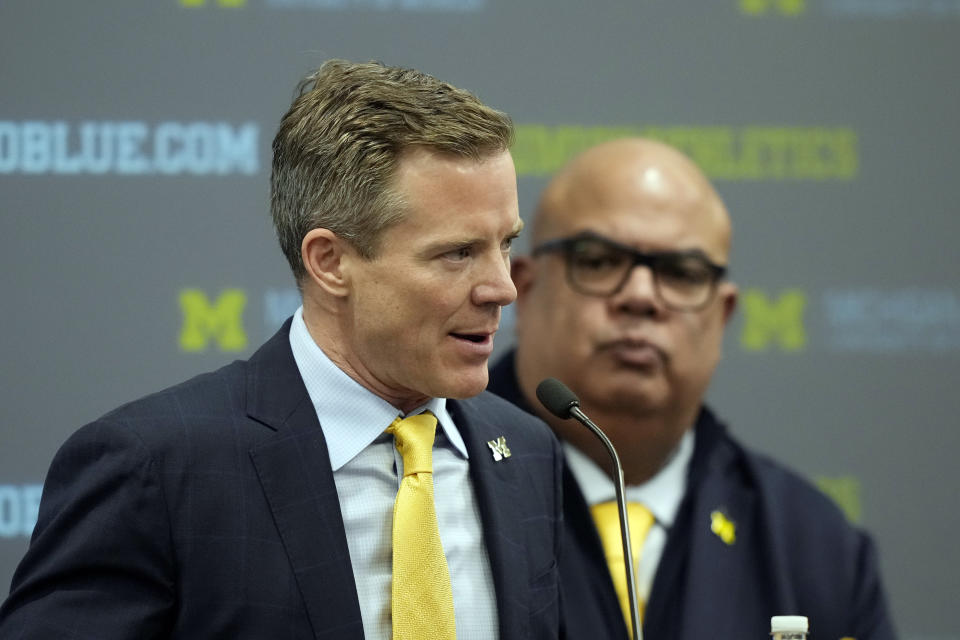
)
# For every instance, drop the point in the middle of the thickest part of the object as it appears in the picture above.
(636, 353)
(477, 338)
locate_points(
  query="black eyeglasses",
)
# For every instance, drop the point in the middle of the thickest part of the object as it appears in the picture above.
(596, 266)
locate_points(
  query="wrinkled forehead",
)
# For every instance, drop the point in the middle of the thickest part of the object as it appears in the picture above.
(648, 203)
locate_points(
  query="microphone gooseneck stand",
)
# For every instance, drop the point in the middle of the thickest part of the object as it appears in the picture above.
(563, 403)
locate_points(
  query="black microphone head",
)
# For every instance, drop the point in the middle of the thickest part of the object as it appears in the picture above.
(556, 397)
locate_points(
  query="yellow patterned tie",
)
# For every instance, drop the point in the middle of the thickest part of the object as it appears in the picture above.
(606, 515)
(422, 598)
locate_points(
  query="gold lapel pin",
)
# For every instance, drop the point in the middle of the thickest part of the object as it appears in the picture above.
(499, 449)
(723, 526)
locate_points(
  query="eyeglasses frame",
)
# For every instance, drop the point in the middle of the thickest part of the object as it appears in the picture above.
(638, 258)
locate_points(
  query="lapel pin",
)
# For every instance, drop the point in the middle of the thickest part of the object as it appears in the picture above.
(499, 449)
(723, 527)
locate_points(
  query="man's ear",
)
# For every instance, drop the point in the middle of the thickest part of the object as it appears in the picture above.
(729, 293)
(323, 253)
(522, 273)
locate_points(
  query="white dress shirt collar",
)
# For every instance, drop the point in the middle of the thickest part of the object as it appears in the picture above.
(340, 401)
(661, 494)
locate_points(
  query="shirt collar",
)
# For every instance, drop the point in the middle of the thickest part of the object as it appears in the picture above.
(661, 494)
(351, 416)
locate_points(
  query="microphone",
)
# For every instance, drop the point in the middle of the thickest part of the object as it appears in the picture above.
(563, 403)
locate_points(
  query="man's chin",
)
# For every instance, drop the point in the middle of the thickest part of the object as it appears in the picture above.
(463, 385)
(636, 399)
(635, 379)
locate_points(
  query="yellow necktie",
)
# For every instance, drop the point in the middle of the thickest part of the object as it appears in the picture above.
(422, 598)
(606, 515)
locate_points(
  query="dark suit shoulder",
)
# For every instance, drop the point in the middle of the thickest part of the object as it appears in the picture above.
(160, 435)
(813, 531)
(781, 481)
(211, 403)
(103, 530)
(214, 388)
(792, 501)
(721, 458)
(813, 558)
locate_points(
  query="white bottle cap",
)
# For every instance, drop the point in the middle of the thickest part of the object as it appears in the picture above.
(789, 624)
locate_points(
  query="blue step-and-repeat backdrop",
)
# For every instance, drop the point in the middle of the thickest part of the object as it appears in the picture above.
(136, 247)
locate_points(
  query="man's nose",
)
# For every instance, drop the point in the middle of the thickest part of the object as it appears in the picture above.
(496, 286)
(639, 292)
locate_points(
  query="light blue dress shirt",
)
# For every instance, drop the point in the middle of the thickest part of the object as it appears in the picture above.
(367, 470)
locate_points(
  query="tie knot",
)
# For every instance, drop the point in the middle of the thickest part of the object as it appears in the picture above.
(413, 437)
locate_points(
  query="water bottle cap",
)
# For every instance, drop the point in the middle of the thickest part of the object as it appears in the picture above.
(789, 624)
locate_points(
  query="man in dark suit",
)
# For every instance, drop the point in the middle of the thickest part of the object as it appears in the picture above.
(258, 501)
(625, 299)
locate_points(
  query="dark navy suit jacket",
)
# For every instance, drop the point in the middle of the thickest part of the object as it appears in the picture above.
(209, 510)
(793, 553)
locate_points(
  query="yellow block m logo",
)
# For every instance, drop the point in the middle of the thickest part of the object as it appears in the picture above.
(845, 491)
(229, 4)
(785, 7)
(222, 320)
(781, 320)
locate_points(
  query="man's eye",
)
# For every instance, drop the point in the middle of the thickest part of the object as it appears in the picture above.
(598, 261)
(687, 270)
(461, 253)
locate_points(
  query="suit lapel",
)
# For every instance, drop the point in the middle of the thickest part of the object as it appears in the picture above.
(722, 539)
(294, 471)
(702, 587)
(499, 495)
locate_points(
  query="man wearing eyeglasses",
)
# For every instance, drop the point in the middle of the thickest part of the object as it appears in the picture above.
(625, 299)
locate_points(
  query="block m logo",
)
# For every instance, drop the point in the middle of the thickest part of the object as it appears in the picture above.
(781, 320)
(228, 4)
(784, 7)
(845, 491)
(222, 320)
